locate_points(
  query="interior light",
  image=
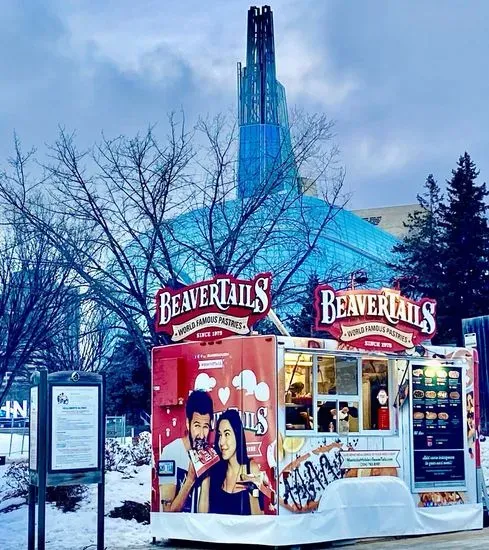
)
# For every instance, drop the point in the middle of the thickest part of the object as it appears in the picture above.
(434, 363)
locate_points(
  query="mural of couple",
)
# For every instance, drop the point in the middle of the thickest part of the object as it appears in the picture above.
(217, 450)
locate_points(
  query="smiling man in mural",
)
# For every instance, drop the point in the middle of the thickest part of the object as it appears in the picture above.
(180, 491)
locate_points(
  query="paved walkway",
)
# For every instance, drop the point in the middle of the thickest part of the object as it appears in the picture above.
(473, 540)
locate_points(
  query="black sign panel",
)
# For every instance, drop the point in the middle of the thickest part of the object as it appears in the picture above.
(441, 467)
(438, 426)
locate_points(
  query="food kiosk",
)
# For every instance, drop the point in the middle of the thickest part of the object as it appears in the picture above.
(276, 440)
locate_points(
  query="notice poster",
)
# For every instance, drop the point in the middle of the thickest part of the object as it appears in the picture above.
(438, 427)
(33, 424)
(75, 428)
(215, 448)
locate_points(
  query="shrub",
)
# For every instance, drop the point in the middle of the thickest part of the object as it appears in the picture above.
(66, 497)
(132, 510)
(17, 479)
(117, 456)
(141, 450)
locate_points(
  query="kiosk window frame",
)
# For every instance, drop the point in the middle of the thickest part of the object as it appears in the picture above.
(339, 400)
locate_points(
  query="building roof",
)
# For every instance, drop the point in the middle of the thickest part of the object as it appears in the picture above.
(389, 218)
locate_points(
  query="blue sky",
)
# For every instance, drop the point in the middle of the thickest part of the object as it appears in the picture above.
(406, 81)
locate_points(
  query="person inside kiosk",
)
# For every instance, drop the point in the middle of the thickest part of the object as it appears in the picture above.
(337, 393)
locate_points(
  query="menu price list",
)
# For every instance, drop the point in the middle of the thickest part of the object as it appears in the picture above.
(437, 408)
(438, 427)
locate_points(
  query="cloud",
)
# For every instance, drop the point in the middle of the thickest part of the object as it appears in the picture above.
(382, 156)
(402, 106)
(246, 380)
(262, 391)
(271, 452)
(204, 382)
(309, 74)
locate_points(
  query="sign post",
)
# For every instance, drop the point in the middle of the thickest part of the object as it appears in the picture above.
(37, 459)
(67, 441)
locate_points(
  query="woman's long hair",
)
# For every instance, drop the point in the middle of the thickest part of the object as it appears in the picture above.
(219, 471)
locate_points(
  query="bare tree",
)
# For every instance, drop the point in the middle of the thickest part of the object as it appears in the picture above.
(131, 215)
(277, 227)
(105, 211)
(34, 285)
(85, 341)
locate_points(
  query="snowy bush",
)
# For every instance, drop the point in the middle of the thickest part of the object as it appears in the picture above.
(66, 497)
(141, 450)
(117, 456)
(17, 479)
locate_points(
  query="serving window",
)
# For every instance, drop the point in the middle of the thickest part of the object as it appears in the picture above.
(333, 393)
(299, 410)
(375, 392)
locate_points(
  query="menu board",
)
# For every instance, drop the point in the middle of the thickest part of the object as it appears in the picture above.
(438, 426)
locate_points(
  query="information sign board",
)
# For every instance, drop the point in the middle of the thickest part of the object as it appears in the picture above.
(75, 430)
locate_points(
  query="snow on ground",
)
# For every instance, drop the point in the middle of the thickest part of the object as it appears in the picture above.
(14, 445)
(77, 530)
(485, 458)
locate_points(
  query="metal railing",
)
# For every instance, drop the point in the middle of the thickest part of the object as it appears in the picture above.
(14, 438)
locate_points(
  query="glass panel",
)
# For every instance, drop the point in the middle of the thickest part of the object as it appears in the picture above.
(298, 391)
(348, 417)
(327, 416)
(337, 375)
(375, 397)
(347, 375)
(326, 378)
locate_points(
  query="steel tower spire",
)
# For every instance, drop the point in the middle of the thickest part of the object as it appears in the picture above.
(265, 152)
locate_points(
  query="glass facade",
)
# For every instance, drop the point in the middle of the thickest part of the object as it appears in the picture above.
(265, 151)
(266, 165)
(345, 245)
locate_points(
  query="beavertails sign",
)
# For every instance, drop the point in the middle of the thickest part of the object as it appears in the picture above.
(213, 309)
(374, 319)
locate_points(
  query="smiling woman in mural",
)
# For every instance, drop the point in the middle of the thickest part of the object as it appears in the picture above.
(233, 484)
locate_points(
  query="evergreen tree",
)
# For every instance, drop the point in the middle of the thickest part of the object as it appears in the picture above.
(303, 324)
(128, 381)
(419, 254)
(465, 282)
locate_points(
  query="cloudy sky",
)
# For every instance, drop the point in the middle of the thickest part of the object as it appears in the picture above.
(406, 81)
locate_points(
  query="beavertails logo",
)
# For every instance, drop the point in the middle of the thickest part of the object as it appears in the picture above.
(213, 309)
(374, 319)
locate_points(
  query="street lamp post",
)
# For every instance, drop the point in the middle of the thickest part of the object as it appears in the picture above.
(359, 277)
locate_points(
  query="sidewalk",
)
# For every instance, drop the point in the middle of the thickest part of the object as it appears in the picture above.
(473, 540)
